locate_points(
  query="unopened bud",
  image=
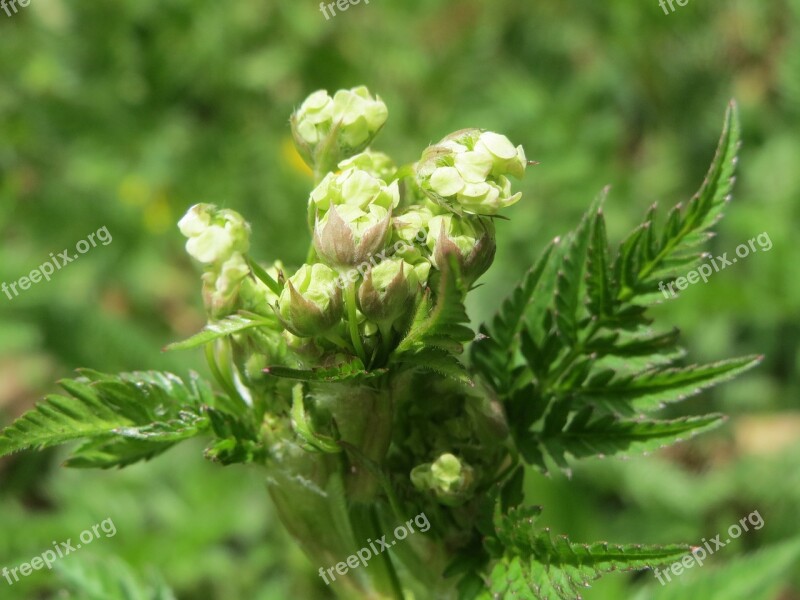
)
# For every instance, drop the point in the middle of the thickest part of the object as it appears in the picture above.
(469, 239)
(311, 302)
(377, 164)
(214, 235)
(447, 477)
(328, 130)
(388, 291)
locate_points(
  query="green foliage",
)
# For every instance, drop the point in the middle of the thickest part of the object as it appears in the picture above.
(439, 329)
(109, 579)
(123, 418)
(219, 329)
(755, 576)
(535, 566)
(568, 396)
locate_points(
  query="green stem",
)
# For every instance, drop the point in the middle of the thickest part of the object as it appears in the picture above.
(352, 319)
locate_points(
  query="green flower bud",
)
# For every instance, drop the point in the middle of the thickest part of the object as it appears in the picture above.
(469, 239)
(310, 303)
(348, 236)
(447, 477)
(466, 172)
(214, 235)
(377, 164)
(328, 130)
(388, 290)
(221, 285)
(411, 226)
(353, 187)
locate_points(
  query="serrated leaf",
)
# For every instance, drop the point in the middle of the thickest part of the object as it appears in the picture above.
(757, 576)
(440, 325)
(437, 360)
(652, 389)
(352, 370)
(570, 275)
(159, 407)
(598, 282)
(586, 435)
(218, 329)
(537, 566)
(686, 228)
(492, 355)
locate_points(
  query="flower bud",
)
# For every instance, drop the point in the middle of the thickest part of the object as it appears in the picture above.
(447, 477)
(353, 187)
(328, 130)
(388, 290)
(466, 172)
(310, 303)
(214, 235)
(221, 285)
(377, 164)
(348, 236)
(469, 239)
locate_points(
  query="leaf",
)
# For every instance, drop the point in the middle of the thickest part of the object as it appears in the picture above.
(347, 371)
(607, 435)
(492, 354)
(212, 331)
(114, 452)
(440, 325)
(653, 389)
(570, 275)
(150, 406)
(437, 360)
(536, 566)
(757, 576)
(684, 229)
(598, 282)
(91, 578)
(303, 427)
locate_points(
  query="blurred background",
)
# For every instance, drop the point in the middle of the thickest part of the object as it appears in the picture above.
(124, 114)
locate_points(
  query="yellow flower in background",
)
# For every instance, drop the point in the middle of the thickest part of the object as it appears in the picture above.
(293, 159)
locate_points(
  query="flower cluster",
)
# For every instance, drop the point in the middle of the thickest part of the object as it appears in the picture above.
(327, 130)
(219, 239)
(380, 234)
(466, 172)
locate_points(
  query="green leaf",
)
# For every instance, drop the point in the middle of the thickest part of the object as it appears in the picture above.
(303, 428)
(570, 276)
(654, 388)
(586, 435)
(440, 325)
(492, 353)
(347, 371)
(91, 578)
(536, 566)
(598, 282)
(638, 263)
(148, 407)
(225, 327)
(437, 360)
(757, 576)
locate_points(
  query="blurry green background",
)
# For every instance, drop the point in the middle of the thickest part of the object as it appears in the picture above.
(124, 114)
